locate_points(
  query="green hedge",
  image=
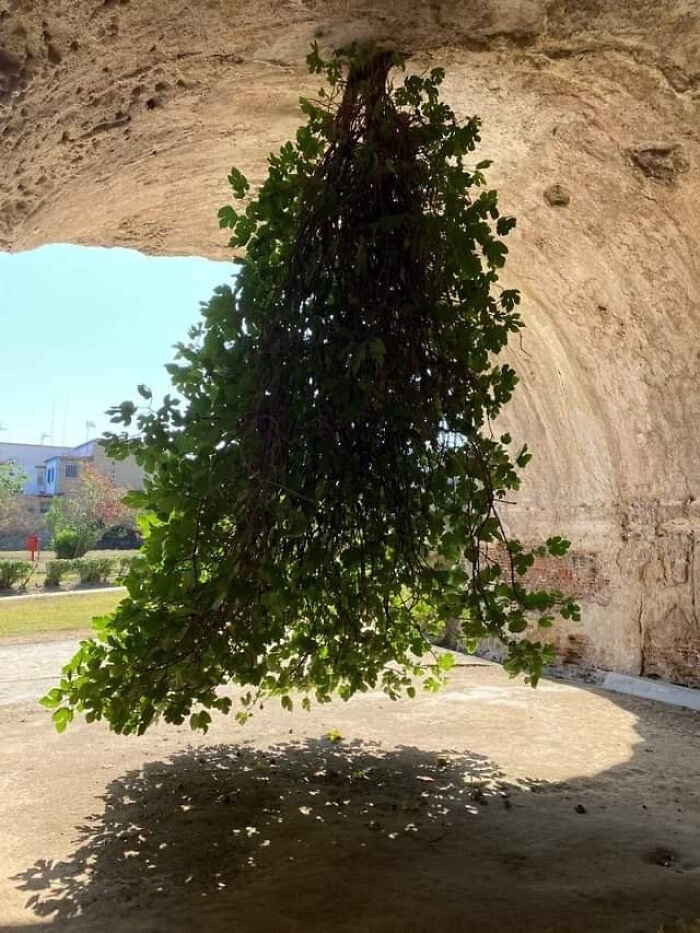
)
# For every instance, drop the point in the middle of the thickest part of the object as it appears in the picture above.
(15, 573)
(56, 571)
(93, 569)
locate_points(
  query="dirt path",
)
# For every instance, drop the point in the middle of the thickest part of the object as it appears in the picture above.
(52, 594)
(489, 807)
(28, 668)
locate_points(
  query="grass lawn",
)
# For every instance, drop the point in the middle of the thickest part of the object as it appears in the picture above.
(54, 614)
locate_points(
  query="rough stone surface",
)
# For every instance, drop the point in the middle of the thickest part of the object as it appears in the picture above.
(120, 120)
(662, 161)
(557, 196)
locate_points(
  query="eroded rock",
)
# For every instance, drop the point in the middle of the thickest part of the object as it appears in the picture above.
(557, 196)
(661, 161)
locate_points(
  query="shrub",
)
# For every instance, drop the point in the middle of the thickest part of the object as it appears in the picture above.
(68, 543)
(56, 570)
(120, 538)
(15, 573)
(94, 569)
(124, 566)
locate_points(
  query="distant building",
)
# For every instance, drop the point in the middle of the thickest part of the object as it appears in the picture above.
(126, 474)
(30, 458)
(54, 471)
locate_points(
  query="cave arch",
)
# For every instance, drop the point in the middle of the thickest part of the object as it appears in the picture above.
(119, 122)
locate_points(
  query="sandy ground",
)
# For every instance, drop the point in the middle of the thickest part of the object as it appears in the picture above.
(50, 594)
(487, 807)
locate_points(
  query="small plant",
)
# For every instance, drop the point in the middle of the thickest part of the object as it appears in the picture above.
(15, 573)
(69, 543)
(94, 569)
(56, 571)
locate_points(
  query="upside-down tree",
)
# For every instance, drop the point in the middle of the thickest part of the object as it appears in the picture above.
(329, 486)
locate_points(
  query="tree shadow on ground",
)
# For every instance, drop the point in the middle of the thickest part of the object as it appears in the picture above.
(209, 818)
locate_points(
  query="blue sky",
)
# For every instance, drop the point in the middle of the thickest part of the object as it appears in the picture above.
(80, 327)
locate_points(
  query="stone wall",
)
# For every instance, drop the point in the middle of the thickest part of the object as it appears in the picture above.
(27, 519)
(638, 582)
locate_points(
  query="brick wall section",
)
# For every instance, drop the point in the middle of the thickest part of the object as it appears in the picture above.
(577, 574)
(677, 660)
(671, 648)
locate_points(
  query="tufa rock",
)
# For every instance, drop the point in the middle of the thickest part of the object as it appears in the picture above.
(557, 196)
(661, 161)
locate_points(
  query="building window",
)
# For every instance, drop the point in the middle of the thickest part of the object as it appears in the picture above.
(71, 470)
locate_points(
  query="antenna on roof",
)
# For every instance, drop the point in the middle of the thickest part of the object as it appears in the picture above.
(44, 435)
(88, 425)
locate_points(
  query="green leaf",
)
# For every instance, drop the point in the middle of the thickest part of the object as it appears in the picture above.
(523, 457)
(377, 350)
(61, 717)
(227, 216)
(52, 698)
(239, 183)
(558, 546)
(200, 721)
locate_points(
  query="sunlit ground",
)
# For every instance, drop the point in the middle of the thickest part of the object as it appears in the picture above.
(488, 807)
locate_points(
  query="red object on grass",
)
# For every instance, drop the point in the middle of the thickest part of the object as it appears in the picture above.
(33, 547)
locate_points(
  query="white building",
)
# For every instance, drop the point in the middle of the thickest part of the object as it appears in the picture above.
(31, 459)
(53, 471)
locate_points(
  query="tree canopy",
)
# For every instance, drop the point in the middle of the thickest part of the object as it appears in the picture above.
(76, 519)
(12, 480)
(328, 490)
